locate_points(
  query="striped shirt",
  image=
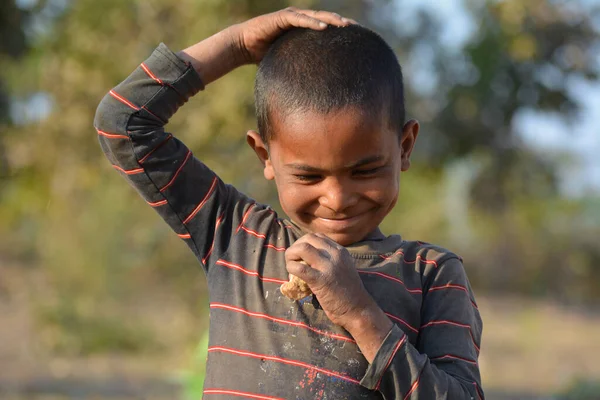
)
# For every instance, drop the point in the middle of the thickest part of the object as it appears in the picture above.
(263, 345)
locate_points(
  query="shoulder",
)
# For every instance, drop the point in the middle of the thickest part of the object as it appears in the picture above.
(263, 222)
(442, 274)
(440, 267)
(433, 262)
(427, 253)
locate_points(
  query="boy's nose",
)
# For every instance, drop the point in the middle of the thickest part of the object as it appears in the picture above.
(338, 196)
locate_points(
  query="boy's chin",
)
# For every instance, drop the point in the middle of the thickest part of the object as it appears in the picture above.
(344, 239)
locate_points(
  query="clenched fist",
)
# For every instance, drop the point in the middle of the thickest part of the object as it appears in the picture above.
(329, 271)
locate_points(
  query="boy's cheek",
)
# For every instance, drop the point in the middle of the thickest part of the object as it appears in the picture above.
(295, 195)
(291, 199)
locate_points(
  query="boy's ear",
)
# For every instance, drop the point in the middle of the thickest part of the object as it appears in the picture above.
(410, 131)
(260, 148)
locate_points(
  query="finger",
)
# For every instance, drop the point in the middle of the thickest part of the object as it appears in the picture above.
(321, 241)
(303, 251)
(292, 18)
(302, 271)
(327, 17)
(327, 239)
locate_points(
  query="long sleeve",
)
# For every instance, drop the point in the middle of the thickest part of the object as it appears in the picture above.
(130, 122)
(443, 363)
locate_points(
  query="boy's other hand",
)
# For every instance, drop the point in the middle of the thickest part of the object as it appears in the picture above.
(253, 37)
(248, 42)
(329, 271)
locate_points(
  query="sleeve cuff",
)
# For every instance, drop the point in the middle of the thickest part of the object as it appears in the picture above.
(173, 70)
(390, 346)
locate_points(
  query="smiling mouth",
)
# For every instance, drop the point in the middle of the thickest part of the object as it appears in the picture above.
(341, 223)
(343, 217)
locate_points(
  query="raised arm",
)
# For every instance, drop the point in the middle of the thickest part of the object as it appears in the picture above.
(130, 123)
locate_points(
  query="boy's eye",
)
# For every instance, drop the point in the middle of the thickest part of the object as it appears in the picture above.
(364, 172)
(308, 178)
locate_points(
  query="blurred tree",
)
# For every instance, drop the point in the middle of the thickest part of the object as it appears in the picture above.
(12, 46)
(522, 56)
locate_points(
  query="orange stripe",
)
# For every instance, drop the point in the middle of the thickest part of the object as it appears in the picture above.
(477, 390)
(407, 261)
(400, 343)
(150, 74)
(449, 286)
(250, 231)
(388, 257)
(432, 323)
(281, 321)
(391, 278)
(154, 115)
(271, 246)
(111, 135)
(246, 214)
(158, 203)
(422, 260)
(187, 157)
(213, 242)
(240, 394)
(283, 361)
(212, 188)
(402, 322)
(452, 286)
(248, 272)
(413, 388)
(129, 172)
(445, 322)
(123, 100)
(184, 235)
(154, 149)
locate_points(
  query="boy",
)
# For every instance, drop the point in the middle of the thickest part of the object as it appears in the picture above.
(388, 319)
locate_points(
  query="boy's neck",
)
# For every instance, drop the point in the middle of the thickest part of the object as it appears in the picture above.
(374, 235)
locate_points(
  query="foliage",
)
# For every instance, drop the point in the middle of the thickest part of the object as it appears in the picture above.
(505, 212)
(79, 332)
(193, 378)
(581, 390)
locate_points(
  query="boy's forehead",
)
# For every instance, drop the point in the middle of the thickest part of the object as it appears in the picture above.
(350, 119)
(342, 137)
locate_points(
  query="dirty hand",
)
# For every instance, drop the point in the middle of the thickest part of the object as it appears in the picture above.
(253, 37)
(329, 271)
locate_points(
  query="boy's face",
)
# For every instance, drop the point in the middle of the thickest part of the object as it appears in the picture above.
(338, 173)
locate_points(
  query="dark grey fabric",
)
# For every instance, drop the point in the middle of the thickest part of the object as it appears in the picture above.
(263, 345)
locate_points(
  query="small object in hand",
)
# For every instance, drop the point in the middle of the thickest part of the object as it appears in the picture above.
(296, 288)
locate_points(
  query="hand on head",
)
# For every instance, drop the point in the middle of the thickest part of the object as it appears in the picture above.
(254, 36)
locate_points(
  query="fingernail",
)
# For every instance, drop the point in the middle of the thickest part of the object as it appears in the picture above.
(322, 24)
(345, 20)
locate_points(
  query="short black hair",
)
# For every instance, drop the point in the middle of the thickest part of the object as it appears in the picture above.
(326, 71)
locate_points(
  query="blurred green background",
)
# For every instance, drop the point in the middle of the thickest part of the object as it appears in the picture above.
(98, 299)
